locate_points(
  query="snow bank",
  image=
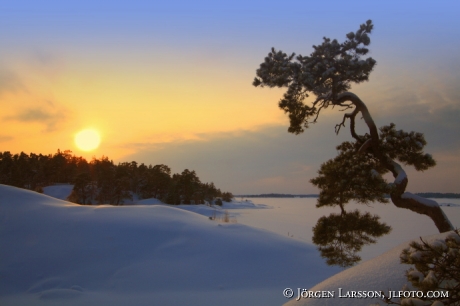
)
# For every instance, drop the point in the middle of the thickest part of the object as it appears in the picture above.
(61, 191)
(54, 252)
(383, 273)
(242, 204)
(149, 201)
(208, 210)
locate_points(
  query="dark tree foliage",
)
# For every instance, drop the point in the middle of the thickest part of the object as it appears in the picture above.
(188, 185)
(84, 189)
(218, 202)
(210, 192)
(328, 71)
(33, 171)
(227, 196)
(435, 267)
(155, 181)
(350, 177)
(340, 236)
(101, 181)
(186, 188)
(357, 172)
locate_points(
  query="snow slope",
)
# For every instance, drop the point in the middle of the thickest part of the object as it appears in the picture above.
(61, 191)
(54, 252)
(383, 273)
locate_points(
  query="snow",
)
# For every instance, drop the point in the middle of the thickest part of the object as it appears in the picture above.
(438, 243)
(430, 278)
(54, 252)
(60, 191)
(150, 201)
(375, 174)
(424, 201)
(383, 273)
(400, 171)
(417, 274)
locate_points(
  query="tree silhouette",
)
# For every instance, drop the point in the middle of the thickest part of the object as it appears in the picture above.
(327, 74)
(340, 236)
(103, 182)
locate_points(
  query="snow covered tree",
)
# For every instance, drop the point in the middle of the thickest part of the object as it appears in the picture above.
(327, 74)
(436, 269)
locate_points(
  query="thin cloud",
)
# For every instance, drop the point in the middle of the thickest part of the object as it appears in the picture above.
(10, 82)
(48, 115)
(6, 138)
(247, 161)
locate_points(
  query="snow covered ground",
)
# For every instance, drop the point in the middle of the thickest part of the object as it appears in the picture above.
(56, 253)
(53, 252)
(381, 274)
(60, 191)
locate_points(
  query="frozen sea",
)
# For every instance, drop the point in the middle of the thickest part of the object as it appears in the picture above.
(295, 217)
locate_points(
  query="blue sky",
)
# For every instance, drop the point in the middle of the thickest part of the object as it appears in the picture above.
(171, 83)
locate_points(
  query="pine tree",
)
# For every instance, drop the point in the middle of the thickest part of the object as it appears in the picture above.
(356, 173)
(436, 268)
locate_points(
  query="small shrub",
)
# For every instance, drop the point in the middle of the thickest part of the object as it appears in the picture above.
(436, 267)
(225, 217)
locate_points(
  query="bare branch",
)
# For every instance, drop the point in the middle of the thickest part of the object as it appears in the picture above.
(317, 114)
(338, 126)
(347, 106)
(319, 98)
(351, 116)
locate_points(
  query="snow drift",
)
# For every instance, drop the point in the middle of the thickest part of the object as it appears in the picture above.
(384, 273)
(54, 252)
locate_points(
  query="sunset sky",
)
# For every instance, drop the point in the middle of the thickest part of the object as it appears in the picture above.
(170, 82)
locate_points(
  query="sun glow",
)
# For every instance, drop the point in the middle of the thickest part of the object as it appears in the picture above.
(87, 140)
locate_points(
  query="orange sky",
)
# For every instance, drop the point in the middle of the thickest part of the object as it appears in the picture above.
(167, 85)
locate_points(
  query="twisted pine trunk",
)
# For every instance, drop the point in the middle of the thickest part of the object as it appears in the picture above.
(399, 197)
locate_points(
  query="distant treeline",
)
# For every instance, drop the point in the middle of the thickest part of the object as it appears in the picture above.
(282, 195)
(277, 195)
(439, 195)
(101, 181)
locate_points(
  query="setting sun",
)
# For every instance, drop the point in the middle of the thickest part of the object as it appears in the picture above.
(87, 140)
